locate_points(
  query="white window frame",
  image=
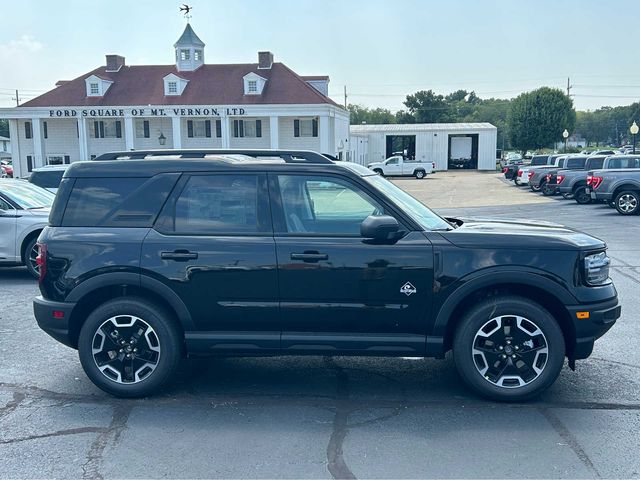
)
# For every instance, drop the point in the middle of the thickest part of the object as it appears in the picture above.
(197, 55)
(94, 88)
(185, 54)
(139, 128)
(250, 129)
(54, 155)
(252, 86)
(172, 87)
(199, 126)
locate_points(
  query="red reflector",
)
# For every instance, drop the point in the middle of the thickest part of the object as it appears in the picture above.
(559, 179)
(589, 179)
(58, 314)
(531, 174)
(504, 170)
(519, 173)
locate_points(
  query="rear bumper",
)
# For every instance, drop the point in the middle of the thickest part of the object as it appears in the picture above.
(601, 317)
(55, 324)
(600, 196)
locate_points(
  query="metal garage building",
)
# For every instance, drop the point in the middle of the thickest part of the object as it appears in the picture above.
(449, 145)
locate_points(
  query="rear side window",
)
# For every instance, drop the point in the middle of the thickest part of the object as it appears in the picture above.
(575, 162)
(625, 162)
(596, 163)
(539, 160)
(117, 202)
(49, 179)
(220, 204)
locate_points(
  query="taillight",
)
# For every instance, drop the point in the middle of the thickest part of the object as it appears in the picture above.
(559, 179)
(519, 173)
(589, 179)
(505, 170)
(531, 174)
(595, 182)
(548, 177)
(41, 260)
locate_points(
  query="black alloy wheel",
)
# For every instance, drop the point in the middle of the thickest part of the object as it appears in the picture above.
(582, 196)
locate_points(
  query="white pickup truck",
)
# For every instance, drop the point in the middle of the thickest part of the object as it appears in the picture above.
(397, 166)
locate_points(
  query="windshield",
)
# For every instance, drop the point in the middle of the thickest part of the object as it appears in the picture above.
(26, 195)
(416, 210)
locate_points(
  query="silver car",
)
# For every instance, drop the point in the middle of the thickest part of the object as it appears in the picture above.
(24, 212)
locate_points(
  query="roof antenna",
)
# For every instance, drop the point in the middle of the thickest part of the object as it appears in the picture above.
(186, 9)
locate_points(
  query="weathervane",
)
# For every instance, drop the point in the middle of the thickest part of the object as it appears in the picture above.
(186, 9)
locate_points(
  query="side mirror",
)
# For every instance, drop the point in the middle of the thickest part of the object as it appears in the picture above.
(380, 227)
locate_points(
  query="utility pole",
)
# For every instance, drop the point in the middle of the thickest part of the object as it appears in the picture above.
(345, 97)
(17, 99)
(569, 87)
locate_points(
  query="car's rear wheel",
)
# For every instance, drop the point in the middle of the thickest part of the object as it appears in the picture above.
(30, 255)
(628, 202)
(420, 174)
(129, 347)
(508, 348)
(582, 196)
(548, 190)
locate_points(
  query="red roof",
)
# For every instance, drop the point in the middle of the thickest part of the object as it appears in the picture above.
(208, 85)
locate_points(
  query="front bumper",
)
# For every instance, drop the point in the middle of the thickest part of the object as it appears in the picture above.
(53, 318)
(601, 317)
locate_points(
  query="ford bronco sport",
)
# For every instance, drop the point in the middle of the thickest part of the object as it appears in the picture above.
(150, 256)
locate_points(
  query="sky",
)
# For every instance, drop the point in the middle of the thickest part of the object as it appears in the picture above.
(380, 50)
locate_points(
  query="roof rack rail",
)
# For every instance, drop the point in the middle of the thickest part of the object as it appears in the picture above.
(289, 156)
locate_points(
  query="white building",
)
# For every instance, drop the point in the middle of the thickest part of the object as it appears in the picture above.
(188, 104)
(5, 148)
(442, 143)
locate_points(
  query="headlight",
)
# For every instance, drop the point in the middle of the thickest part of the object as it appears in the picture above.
(596, 268)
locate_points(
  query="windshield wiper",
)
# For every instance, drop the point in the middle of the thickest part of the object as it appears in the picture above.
(35, 208)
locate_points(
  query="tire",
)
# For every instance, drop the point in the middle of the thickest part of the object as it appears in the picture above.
(534, 188)
(531, 328)
(581, 196)
(516, 180)
(379, 172)
(548, 190)
(120, 320)
(29, 258)
(627, 202)
(420, 174)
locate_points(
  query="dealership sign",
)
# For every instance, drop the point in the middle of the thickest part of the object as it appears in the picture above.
(149, 112)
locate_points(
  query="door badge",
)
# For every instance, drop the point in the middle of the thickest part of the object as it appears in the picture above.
(408, 289)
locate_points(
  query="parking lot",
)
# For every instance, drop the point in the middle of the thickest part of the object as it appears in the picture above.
(315, 417)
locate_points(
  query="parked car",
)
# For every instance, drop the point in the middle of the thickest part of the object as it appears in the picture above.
(398, 166)
(554, 161)
(522, 177)
(619, 186)
(6, 169)
(48, 177)
(573, 184)
(511, 169)
(545, 178)
(24, 211)
(145, 260)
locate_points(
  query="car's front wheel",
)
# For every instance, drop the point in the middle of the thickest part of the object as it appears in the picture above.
(129, 347)
(628, 202)
(508, 348)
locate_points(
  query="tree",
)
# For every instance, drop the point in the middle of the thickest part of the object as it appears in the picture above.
(4, 128)
(537, 119)
(426, 106)
(374, 116)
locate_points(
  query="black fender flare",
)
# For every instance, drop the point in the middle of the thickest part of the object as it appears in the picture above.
(527, 277)
(112, 279)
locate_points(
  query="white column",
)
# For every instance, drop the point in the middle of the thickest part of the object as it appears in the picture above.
(38, 142)
(226, 131)
(82, 139)
(128, 133)
(273, 129)
(177, 132)
(323, 133)
(15, 149)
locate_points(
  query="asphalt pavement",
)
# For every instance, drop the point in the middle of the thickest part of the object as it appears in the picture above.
(316, 417)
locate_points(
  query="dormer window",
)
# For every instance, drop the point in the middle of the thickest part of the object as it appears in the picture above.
(197, 55)
(254, 84)
(185, 54)
(174, 85)
(96, 86)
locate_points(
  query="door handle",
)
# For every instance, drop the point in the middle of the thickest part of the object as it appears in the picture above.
(309, 257)
(179, 255)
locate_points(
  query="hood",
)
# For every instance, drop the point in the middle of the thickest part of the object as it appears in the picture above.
(375, 164)
(40, 212)
(498, 233)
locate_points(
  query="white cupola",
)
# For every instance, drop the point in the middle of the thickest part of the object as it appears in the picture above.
(189, 51)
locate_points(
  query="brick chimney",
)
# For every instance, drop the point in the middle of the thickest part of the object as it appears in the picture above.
(114, 63)
(265, 60)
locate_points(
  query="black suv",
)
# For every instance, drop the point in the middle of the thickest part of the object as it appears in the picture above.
(151, 256)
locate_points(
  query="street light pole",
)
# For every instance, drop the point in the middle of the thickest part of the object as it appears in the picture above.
(565, 135)
(634, 131)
